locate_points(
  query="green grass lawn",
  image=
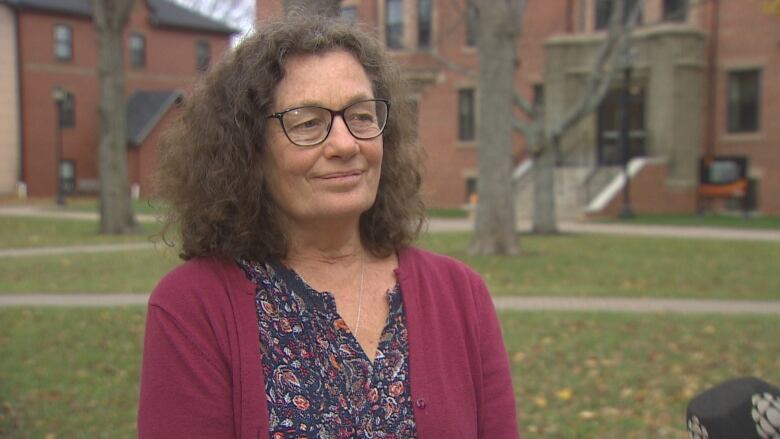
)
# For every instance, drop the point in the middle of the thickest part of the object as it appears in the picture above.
(119, 272)
(706, 220)
(564, 265)
(39, 232)
(447, 212)
(604, 265)
(74, 372)
(628, 376)
(69, 373)
(88, 204)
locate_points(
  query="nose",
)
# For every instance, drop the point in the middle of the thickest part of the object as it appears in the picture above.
(340, 142)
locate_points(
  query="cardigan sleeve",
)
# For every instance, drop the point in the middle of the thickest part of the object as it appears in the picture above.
(498, 412)
(185, 382)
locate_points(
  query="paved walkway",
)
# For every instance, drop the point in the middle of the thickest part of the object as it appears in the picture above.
(68, 249)
(53, 212)
(639, 305)
(682, 306)
(452, 225)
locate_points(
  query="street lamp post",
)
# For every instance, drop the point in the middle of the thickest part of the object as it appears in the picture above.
(625, 127)
(58, 95)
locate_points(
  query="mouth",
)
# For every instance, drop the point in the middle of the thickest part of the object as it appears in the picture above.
(341, 175)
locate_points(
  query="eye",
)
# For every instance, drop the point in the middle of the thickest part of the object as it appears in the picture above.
(363, 117)
(311, 123)
(305, 120)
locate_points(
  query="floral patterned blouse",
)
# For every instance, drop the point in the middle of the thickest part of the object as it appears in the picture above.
(319, 383)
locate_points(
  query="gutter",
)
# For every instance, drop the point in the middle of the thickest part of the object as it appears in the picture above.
(20, 125)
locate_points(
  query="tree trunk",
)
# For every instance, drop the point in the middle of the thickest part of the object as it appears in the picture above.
(330, 8)
(544, 219)
(495, 228)
(116, 211)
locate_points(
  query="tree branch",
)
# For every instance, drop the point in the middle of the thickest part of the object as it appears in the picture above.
(521, 103)
(521, 127)
(463, 70)
(599, 80)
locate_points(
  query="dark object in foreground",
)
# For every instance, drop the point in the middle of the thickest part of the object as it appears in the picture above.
(742, 408)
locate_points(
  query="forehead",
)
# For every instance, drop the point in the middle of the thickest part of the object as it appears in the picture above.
(330, 79)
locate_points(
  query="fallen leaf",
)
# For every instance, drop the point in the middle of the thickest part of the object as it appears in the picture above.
(587, 414)
(564, 394)
(540, 401)
(518, 357)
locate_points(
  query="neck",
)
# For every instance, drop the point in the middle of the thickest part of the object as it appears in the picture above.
(323, 244)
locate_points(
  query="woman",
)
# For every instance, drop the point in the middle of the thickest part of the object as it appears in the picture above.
(302, 309)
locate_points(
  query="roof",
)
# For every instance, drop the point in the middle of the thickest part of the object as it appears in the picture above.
(162, 13)
(144, 111)
(166, 13)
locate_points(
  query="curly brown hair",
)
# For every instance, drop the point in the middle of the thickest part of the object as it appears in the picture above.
(210, 176)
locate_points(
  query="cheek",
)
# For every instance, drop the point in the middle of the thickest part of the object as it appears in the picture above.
(376, 154)
(287, 168)
(273, 173)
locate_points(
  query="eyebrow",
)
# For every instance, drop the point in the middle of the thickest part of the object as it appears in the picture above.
(313, 103)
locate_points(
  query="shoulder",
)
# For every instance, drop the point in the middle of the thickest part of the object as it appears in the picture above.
(416, 261)
(198, 280)
(441, 279)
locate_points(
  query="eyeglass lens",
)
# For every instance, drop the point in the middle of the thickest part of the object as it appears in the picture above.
(310, 125)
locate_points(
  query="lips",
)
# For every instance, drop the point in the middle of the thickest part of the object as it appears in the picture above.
(338, 175)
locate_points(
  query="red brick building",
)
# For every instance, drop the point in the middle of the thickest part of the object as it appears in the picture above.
(702, 87)
(54, 47)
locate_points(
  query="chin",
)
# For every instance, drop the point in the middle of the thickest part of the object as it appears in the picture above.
(338, 210)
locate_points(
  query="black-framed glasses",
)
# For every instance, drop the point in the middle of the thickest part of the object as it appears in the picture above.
(310, 125)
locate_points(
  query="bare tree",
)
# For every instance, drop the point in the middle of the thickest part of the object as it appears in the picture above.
(500, 24)
(329, 8)
(543, 135)
(116, 210)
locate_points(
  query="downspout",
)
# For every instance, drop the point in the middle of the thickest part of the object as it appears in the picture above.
(20, 125)
(712, 98)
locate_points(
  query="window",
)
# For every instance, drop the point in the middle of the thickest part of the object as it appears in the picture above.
(466, 115)
(66, 107)
(63, 42)
(137, 50)
(394, 24)
(538, 96)
(203, 54)
(349, 13)
(472, 16)
(67, 176)
(744, 101)
(675, 10)
(604, 12)
(471, 190)
(423, 24)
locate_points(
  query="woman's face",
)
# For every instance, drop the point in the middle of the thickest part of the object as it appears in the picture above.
(338, 178)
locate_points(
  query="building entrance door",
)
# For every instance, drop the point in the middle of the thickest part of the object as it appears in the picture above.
(608, 150)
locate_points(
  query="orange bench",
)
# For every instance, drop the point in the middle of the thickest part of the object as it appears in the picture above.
(723, 177)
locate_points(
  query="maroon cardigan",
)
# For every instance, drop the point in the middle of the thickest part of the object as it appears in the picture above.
(201, 375)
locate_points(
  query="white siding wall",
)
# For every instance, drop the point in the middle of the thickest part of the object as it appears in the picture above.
(9, 107)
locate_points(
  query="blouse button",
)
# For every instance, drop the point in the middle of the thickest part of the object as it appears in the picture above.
(421, 403)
